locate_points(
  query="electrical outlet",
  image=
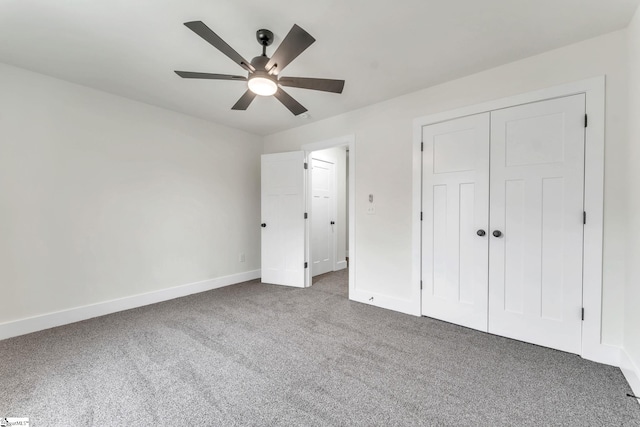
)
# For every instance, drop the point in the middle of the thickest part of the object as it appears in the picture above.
(371, 210)
(242, 257)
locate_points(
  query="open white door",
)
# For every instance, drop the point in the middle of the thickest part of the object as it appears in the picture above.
(322, 216)
(283, 222)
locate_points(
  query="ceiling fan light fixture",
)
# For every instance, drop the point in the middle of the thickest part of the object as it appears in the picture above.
(262, 84)
(260, 80)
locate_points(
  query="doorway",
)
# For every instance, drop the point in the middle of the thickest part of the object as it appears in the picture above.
(323, 237)
(328, 210)
(287, 214)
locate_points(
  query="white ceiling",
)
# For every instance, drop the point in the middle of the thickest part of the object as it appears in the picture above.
(382, 48)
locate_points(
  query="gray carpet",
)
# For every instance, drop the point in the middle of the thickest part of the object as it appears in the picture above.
(254, 354)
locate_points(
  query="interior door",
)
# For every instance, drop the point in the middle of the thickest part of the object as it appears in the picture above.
(283, 223)
(322, 215)
(455, 219)
(537, 176)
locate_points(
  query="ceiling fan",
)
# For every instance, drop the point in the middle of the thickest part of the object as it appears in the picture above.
(263, 72)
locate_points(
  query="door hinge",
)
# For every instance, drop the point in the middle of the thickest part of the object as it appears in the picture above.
(420, 216)
(584, 217)
(306, 265)
(420, 284)
(305, 215)
(306, 165)
(582, 313)
(422, 146)
(586, 120)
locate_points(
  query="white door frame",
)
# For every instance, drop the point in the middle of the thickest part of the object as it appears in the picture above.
(594, 89)
(350, 142)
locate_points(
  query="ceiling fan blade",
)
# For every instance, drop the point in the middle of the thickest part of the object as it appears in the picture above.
(193, 75)
(287, 100)
(244, 101)
(208, 35)
(294, 43)
(325, 85)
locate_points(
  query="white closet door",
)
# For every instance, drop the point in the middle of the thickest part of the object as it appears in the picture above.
(455, 209)
(283, 223)
(322, 216)
(537, 175)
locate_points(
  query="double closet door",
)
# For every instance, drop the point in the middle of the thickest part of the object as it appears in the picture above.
(502, 230)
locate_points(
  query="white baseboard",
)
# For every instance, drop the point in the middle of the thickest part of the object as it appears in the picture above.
(602, 353)
(341, 265)
(64, 317)
(631, 371)
(384, 301)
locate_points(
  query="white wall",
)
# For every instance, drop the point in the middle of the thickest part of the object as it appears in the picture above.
(383, 135)
(337, 156)
(632, 294)
(103, 198)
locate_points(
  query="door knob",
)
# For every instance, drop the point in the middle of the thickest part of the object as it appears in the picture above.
(497, 233)
(263, 225)
(481, 233)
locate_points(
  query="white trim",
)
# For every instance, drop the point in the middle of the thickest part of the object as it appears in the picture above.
(631, 372)
(350, 142)
(308, 274)
(77, 314)
(341, 141)
(416, 222)
(584, 86)
(601, 353)
(594, 89)
(334, 209)
(341, 265)
(406, 306)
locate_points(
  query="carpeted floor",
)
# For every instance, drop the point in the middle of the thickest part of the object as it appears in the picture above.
(262, 355)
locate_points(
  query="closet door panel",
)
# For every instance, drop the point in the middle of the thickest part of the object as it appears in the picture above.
(537, 184)
(455, 208)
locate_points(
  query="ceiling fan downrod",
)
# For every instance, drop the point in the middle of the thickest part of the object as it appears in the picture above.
(265, 38)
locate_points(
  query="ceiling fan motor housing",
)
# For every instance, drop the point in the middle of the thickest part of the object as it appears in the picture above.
(265, 37)
(260, 62)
